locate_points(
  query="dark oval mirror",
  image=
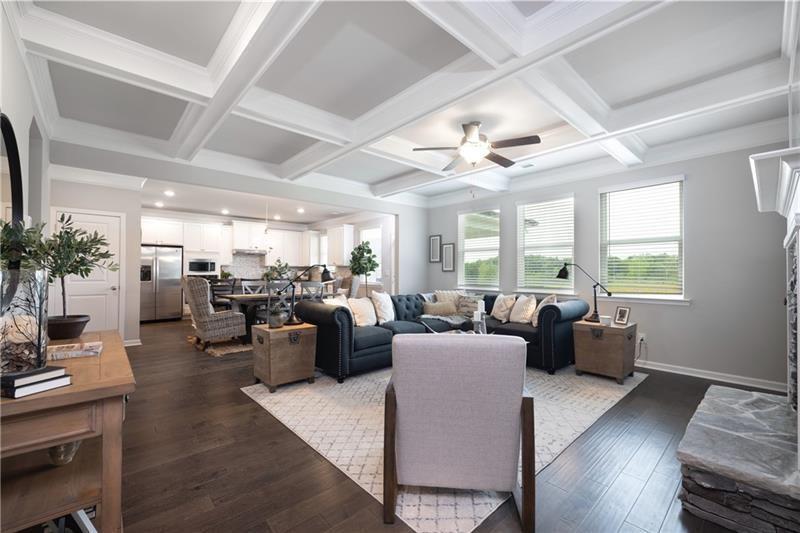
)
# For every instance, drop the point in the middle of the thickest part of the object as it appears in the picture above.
(10, 174)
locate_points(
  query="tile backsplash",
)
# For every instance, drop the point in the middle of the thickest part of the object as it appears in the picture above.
(248, 266)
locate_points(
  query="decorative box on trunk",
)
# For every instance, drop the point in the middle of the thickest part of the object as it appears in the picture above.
(284, 355)
(605, 350)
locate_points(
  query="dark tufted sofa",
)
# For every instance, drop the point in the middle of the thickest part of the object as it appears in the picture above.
(343, 350)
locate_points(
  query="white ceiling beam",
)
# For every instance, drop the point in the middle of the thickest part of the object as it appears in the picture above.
(478, 26)
(491, 181)
(745, 86)
(461, 79)
(282, 112)
(562, 89)
(791, 28)
(272, 27)
(72, 43)
(43, 92)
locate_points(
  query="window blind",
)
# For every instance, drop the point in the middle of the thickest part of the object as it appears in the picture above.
(545, 240)
(641, 240)
(479, 249)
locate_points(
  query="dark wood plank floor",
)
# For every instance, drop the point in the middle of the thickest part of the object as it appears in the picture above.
(201, 456)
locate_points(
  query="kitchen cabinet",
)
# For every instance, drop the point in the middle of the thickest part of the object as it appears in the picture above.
(309, 253)
(249, 236)
(340, 244)
(226, 245)
(202, 237)
(160, 231)
(285, 245)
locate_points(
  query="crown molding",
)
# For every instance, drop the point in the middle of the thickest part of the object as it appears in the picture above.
(95, 177)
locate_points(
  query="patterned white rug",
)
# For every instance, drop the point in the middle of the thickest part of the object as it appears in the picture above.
(344, 422)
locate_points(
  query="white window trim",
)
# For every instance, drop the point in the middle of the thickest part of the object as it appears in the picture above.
(647, 298)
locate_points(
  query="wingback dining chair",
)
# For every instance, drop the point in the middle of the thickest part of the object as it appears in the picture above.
(210, 325)
(456, 413)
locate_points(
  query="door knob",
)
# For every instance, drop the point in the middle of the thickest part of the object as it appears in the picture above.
(113, 287)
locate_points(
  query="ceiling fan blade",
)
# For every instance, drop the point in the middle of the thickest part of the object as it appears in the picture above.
(472, 131)
(499, 159)
(450, 166)
(519, 141)
(434, 148)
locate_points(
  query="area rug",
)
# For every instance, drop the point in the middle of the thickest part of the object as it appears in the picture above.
(344, 423)
(219, 349)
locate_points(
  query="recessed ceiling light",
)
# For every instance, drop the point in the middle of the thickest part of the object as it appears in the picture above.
(159, 204)
(169, 192)
(301, 210)
(277, 217)
(225, 211)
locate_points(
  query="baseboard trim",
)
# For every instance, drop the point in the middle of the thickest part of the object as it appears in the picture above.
(776, 386)
(132, 342)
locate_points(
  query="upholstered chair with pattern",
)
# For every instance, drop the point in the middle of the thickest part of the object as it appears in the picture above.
(210, 325)
(457, 417)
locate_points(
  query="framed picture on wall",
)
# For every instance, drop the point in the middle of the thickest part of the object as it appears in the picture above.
(448, 257)
(435, 249)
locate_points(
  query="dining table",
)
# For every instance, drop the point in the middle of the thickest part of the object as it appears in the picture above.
(248, 304)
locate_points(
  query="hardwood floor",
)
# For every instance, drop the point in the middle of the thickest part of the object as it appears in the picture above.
(201, 456)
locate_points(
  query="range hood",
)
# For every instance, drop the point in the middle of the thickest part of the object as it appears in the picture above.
(249, 251)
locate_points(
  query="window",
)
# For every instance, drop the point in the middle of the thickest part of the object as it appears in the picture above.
(641, 240)
(373, 237)
(545, 240)
(323, 249)
(479, 249)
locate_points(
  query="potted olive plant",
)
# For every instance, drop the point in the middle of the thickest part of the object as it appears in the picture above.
(72, 250)
(362, 263)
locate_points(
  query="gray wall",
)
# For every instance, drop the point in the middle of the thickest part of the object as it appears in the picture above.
(734, 266)
(81, 196)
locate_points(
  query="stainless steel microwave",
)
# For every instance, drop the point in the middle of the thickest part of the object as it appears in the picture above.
(202, 265)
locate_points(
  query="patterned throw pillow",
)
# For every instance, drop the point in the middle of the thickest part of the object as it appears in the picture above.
(384, 307)
(448, 296)
(503, 306)
(439, 308)
(468, 304)
(523, 309)
(545, 301)
(363, 311)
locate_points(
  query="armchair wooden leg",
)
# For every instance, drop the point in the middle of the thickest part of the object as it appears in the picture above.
(528, 512)
(389, 464)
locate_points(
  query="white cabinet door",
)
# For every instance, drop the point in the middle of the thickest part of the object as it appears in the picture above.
(241, 235)
(340, 244)
(192, 236)
(309, 252)
(159, 231)
(212, 237)
(226, 245)
(274, 243)
(292, 241)
(258, 240)
(149, 231)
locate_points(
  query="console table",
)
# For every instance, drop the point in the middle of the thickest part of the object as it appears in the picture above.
(90, 410)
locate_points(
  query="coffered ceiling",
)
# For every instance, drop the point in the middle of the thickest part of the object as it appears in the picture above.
(334, 95)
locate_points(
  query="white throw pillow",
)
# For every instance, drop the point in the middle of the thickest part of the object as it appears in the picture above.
(448, 296)
(545, 301)
(523, 309)
(503, 306)
(384, 307)
(338, 300)
(363, 311)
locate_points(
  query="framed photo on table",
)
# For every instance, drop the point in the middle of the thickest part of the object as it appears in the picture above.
(449, 257)
(622, 315)
(435, 249)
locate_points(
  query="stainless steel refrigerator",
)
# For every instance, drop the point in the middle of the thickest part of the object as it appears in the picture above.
(160, 282)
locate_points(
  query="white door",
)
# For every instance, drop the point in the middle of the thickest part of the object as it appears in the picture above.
(98, 295)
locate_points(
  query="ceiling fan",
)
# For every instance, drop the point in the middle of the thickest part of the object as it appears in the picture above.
(475, 146)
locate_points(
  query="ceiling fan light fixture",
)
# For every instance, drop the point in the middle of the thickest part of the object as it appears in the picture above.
(474, 152)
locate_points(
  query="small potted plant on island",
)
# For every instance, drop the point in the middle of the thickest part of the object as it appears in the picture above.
(362, 263)
(71, 250)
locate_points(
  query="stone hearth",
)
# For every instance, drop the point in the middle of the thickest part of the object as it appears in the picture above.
(739, 457)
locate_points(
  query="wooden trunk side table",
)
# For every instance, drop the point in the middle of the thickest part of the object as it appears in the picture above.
(604, 350)
(91, 410)
(284, 355)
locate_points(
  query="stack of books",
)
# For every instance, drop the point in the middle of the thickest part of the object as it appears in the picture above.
(21, 384)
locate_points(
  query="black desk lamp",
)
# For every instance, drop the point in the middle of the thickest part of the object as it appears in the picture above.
(326, 276)
(564, 274)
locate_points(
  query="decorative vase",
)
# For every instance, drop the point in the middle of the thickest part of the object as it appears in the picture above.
(66, 327)
(355, 284)
(277, 320)
(23, 320)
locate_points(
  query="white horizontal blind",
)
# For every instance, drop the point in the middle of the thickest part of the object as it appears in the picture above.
(641, 240)
(545, 241)
(479, 249)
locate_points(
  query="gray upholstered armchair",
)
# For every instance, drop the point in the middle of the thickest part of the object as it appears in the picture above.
(455, 415)
(209, 325)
